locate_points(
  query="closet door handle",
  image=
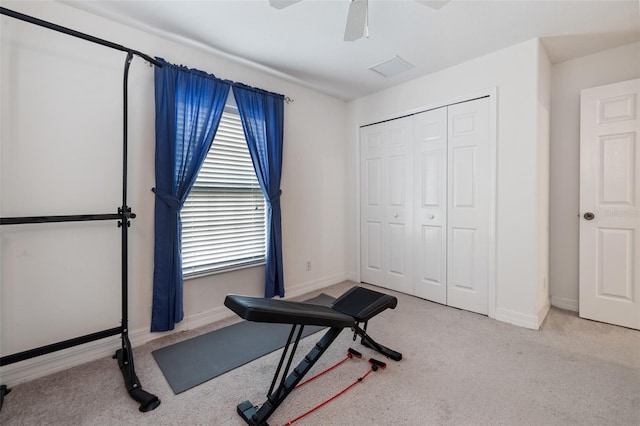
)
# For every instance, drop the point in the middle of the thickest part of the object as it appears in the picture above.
(431, 216)
(589, 216)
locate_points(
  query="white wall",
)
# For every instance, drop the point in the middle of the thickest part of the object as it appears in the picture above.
(514, 72)
(61, 112)
(567, 80)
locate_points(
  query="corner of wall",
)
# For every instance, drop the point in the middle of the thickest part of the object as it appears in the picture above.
(543, 112)
(543, 311)
(518, 318)
(564, 303)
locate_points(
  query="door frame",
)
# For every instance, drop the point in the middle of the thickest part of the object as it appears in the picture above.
(491, 93)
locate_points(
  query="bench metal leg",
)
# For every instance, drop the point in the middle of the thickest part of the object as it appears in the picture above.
(258, 415)
(372, 344)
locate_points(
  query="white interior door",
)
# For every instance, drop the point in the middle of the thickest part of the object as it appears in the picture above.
(469, 205)
(430, 205)
(386, 200)
(609, 209)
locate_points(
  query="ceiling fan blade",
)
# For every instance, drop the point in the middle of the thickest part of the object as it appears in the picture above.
(281, 4)
(436, 4)
(356, 20)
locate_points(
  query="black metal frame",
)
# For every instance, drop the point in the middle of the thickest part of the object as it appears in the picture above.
(124, 355)
(253, 415)
(289, 379)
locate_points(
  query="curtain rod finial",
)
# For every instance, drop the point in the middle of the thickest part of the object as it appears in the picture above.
(288, 100)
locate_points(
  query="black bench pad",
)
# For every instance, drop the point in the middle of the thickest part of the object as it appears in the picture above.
(363, 304)
(258, 309)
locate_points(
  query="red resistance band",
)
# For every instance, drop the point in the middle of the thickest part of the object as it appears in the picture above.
(351, 353)
(375, 365)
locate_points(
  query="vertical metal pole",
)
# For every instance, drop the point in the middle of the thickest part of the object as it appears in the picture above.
(125, 210)
(127, 354)
(147, 400)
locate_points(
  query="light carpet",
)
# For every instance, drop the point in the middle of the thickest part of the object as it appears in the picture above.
(459, 368)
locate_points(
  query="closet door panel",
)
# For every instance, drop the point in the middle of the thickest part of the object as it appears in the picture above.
(462, 259)
(397, 258)
(430, 195)
(397, 181)
(430, 265)
(374, 182)
(431, 170)
(385, 185)
(464, 174)
(398, 178)
(373, 249)
(468, 205)
(372, 209)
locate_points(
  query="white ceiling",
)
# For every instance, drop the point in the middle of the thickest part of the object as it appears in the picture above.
(304, 42)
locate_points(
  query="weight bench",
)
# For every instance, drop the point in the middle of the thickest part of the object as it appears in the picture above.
(357, 305)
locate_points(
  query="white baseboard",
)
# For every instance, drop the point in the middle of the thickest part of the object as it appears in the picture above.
(351, 277)
(319, 284)
(517, 318)
(564, 303)
(44, 365)
(206, 317)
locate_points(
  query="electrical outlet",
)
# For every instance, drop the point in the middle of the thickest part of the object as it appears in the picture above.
(308, 265)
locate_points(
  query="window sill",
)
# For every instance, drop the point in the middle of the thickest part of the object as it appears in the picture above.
(201, 274)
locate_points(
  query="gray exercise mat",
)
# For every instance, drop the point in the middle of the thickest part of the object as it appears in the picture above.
(191, 362)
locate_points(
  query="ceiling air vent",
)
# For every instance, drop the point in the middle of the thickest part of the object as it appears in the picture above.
(391, 67)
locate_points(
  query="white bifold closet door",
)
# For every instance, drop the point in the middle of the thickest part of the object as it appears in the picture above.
(430, 211)
(446, 217)
(386, 204)
(469, 198)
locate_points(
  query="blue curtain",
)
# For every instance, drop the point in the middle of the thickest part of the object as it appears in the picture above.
(262, 115)
(189, 104)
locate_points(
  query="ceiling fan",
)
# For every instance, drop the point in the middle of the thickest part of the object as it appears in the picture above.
(358, 17)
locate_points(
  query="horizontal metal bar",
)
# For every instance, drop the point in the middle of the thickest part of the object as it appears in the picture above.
(32, 353)
(68, 218)
(74, 33)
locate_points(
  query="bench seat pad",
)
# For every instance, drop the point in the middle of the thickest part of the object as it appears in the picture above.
(363, 304)
(258, 309)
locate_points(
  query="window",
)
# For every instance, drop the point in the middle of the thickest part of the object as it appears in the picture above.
(223, 218)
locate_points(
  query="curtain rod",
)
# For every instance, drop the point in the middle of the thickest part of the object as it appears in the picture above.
(74, 33)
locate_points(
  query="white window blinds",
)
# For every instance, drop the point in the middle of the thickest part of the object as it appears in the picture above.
(223, 219)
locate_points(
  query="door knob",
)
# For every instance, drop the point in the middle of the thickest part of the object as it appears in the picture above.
(432, 216)
(589, 216)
